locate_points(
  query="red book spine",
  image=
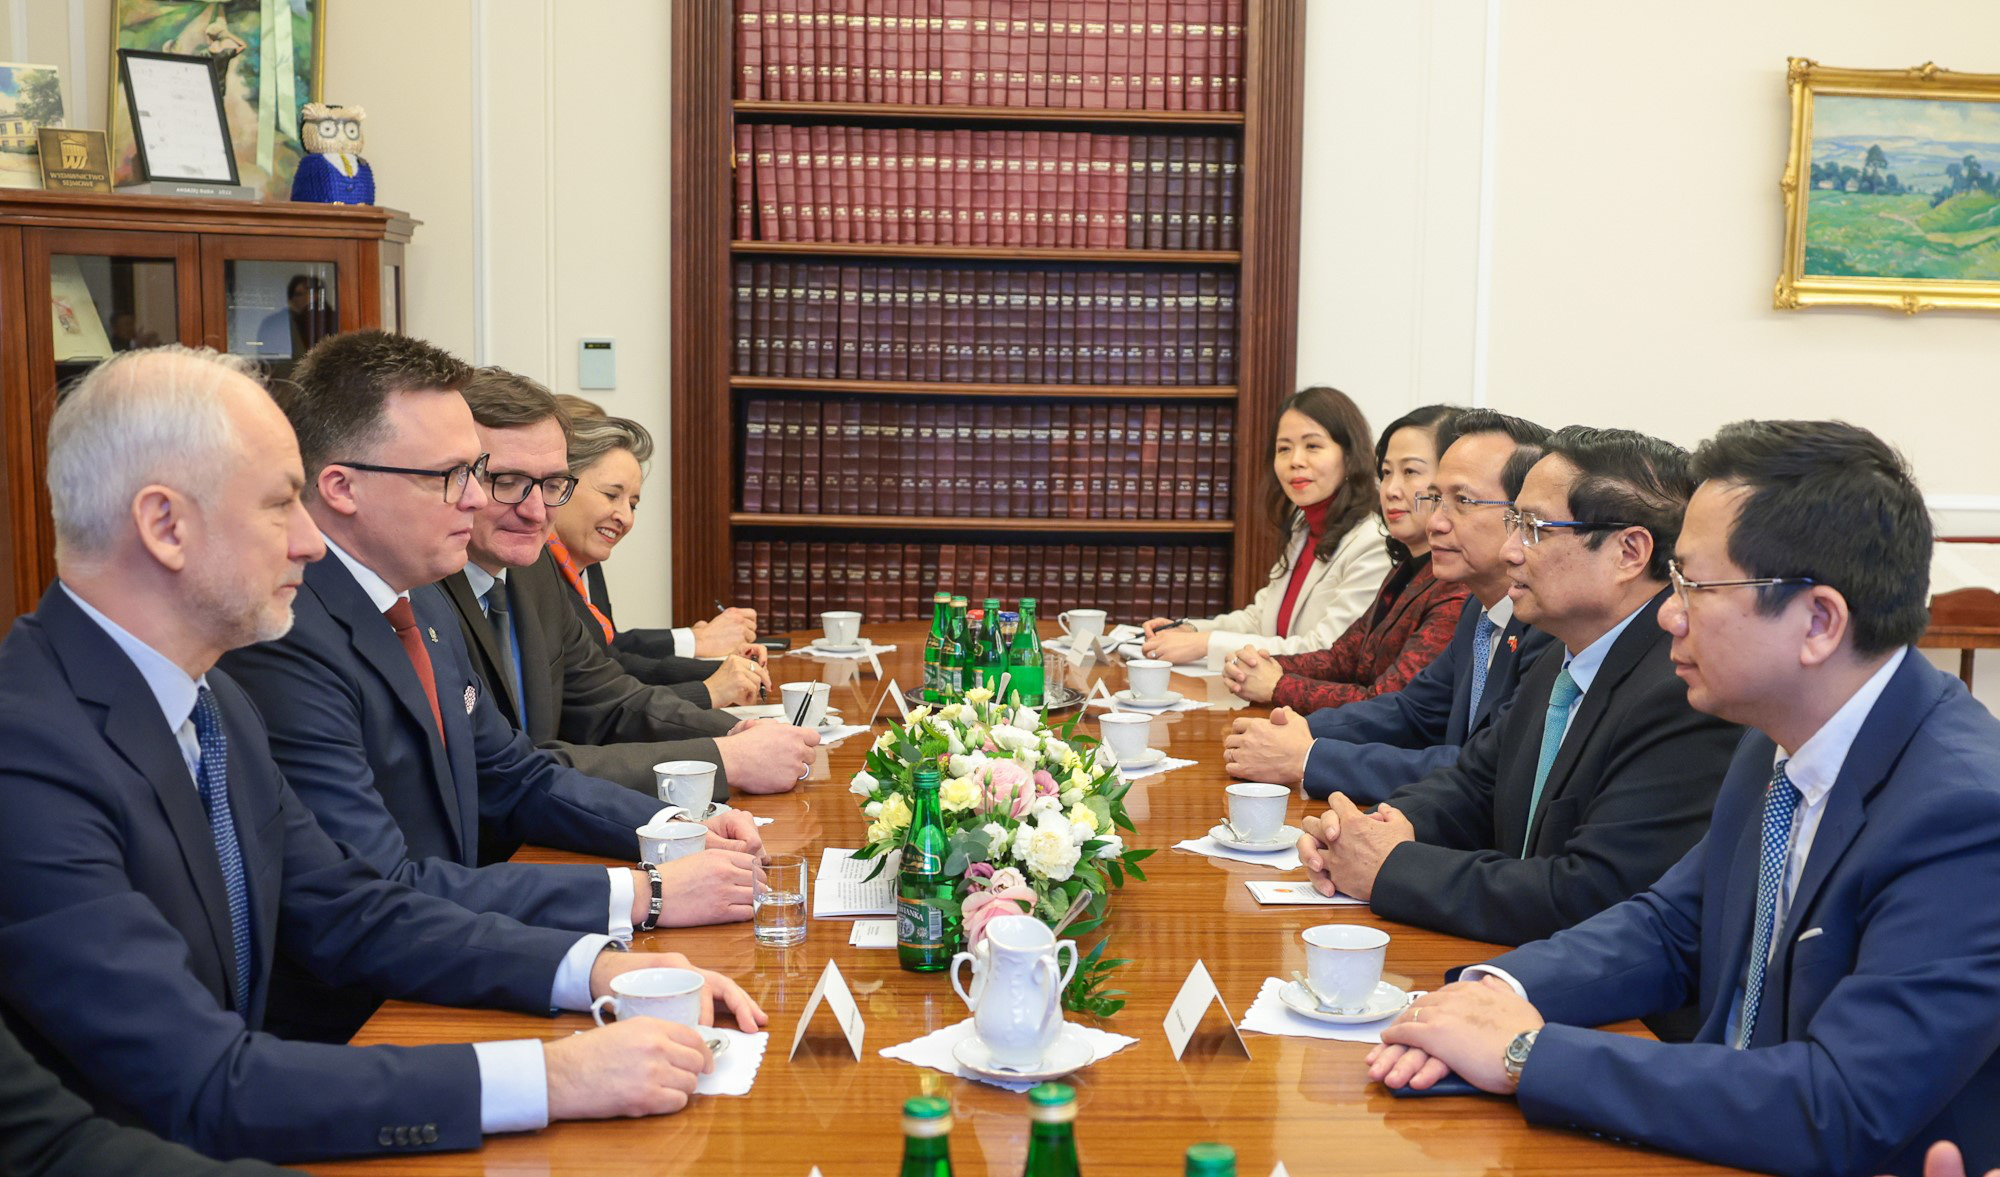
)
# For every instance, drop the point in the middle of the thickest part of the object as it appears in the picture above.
(742, 166)
(1136, 187)
(927, 187)
(934, 59)
(1017, 328)
(810, 468)
(1055, 503)
(1175, 235)
(985, 459)
(888, 181)
(1184, 462)
(849, 336)
(749, 49)
(1196, 77)
(840, 219)
(1225, 450)
(909, 160)
(1228, 195)
(1095, 34)
(963, 446)
(1225, 331)
(850, 501)
(957, 89)
(1011, 194)
(979, 52)
(1107, 481)
(1117, 62)
(787, 184)
(1232, 55)
(786, 60)
(1038, 53)
(807, 53)
(1036, 340)
(980, 196)
(981, 327)
(871, 56)
(756, 416)
(1017, 55)
(1034, 189)
(963, 143)
(934, 326)
(1071, 38)
(820, 173)
(1034, 503)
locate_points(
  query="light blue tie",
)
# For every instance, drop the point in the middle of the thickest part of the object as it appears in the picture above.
(213, 780)
(1482, 654)
(1561, 699)
(1781, 799)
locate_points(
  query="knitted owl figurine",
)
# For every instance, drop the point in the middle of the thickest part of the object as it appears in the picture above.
(332, 171)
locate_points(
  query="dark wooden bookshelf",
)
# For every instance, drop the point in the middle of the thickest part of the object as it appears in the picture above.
(707, 425)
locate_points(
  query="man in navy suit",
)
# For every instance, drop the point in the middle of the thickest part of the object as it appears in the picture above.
(154, 863)
(377, 716)
(1837, 925)
(1369, 749)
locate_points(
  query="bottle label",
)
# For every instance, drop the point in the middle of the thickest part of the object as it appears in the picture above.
(919, 924)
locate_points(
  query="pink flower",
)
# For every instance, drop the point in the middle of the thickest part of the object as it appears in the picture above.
(1009, 785)
(983, 907)
(979, 873)
(1045, 785)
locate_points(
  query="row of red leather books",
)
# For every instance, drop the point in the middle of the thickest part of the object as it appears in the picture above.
(808, 321)
(791, 582)
(1010, 461)
(1051, 189)
(1078, 54)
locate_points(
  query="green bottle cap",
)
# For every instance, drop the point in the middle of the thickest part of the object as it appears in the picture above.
(930, 1107)
(926, 1117)
(1051, 1094)
(1211, 1160)
(1027, 602)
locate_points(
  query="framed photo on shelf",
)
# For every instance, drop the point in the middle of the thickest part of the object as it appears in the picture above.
(179, 131)
(266, 59)
(30, 99)
(1892, 189)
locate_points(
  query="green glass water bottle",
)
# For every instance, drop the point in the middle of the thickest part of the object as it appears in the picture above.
(1024, 658)
(978, 649)
(926, 937)
(1051, 1131)
(926, 1137)
(1211, 1160)
(989, 653)
(934, 648)
(957, 647)
(1003, 657)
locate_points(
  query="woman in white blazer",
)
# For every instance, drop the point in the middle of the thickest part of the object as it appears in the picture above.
(1322, 494)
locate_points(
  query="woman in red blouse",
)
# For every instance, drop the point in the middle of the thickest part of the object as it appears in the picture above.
(1414, 614)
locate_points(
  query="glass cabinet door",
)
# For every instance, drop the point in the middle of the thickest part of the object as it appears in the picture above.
(276, 310)
(99, 305)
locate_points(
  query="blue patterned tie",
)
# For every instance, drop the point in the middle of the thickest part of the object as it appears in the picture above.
(214, 784)
(1482, 654)
(1781, 799)
(1561, 699)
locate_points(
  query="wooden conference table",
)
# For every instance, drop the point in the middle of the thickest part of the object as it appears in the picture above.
(1303, 1101)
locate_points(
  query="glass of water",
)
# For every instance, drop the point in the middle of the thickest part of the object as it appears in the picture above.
(781, 901)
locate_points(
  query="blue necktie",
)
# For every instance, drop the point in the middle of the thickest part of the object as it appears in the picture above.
(1482, 654)
(214, 784)
(1561, 699)
(1781, 799)
(509, 643)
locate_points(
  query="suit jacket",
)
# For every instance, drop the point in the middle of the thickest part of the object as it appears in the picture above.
(1378, 745)
(117, 963)
(1879, 1023)
(1337, 591)
(1629, 793)
(581, 707)
(1414, 618)
(649, 655)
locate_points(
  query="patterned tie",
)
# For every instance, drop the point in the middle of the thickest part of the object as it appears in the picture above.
(404, 620)
(214, 785)
(1781, 799)
(1561, 699)
(498, 613)
(1482, 654)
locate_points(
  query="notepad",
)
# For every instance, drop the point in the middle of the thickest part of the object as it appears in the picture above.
(840, 892)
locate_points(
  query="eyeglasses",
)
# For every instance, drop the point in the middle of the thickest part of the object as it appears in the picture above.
(455, 478)
(1457, 505)
(1683, 586)
(514, 488)
(1531, 526)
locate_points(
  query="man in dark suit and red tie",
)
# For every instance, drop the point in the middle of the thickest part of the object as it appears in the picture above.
(1837, 924)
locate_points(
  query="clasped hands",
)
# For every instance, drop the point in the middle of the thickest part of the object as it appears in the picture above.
(1252, 674)
(1343, 849)
(1466, 1027)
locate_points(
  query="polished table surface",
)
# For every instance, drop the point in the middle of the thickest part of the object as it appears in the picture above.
(1303, 1101)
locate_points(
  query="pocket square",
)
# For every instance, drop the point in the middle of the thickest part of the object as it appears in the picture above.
(471, 698)
(1808, 934)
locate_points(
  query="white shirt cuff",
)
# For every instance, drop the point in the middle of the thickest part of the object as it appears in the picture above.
(513, 1086)
(1474, 972)
(572, 987)
(619, 918)
(684, 641)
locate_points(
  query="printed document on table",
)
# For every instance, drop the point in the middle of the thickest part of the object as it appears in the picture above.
(840, 892)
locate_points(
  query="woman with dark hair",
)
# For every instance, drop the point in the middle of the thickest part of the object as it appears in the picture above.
(1321, 495)
(1415, 614)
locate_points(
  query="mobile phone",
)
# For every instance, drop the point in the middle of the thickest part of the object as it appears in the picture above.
(775, 645)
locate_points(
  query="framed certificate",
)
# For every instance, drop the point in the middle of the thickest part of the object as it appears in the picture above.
(178, 125)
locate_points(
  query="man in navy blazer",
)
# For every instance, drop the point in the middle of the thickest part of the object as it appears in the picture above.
(153, 863)
(1837, 925)
(1369, 749)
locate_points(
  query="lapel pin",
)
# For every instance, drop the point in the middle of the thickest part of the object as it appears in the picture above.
(1513, 645)
(432, 630)
(471, 697)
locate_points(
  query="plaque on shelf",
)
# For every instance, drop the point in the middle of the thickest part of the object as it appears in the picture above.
(74, 161)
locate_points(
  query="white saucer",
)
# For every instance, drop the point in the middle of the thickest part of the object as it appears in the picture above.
(1159, 703)
(1149, 756)
(1384, 1002)
(1069, 1053)
(1285, 839)
(828, 647)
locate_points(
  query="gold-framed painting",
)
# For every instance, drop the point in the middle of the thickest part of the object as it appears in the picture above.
(1892, 189)
(268, 58)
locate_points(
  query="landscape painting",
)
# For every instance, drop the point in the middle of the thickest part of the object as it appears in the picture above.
(1904, 188)
(30, 99)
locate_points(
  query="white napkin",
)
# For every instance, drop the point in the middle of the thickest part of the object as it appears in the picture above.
(1286, 859)
(735, 1068)
(867, 648)
(1196, 670)
(831, 736)
(1269, 1015)
(1186, 704)
(933, 1050)
(1163, 764)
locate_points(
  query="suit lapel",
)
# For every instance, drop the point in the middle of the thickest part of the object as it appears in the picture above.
(485, 645)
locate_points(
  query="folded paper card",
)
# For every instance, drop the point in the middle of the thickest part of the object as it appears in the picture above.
(1278, 891)
(843, 889)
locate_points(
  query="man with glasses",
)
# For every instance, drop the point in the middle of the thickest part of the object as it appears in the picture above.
(1600, 776)
(1371, 748)
(376, 715)
(1837, 924)
(535, 656)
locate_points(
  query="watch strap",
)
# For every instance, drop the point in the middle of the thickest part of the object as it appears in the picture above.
(654, 905)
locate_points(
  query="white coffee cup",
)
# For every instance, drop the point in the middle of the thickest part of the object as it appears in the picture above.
(1344, 963)
(1257, 810)
(670, 840)
(1128, 734)
(689, 784)
(842, 626)
(1082, 625)
(1148, 677)
(794, 693)
(671, 995)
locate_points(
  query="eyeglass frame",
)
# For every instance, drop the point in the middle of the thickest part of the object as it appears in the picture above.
(491, 480)
(1432, 500)
(1531, 528)
(462, 473)
(1683, 586)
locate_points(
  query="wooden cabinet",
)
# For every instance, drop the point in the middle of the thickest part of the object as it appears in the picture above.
(83, 276)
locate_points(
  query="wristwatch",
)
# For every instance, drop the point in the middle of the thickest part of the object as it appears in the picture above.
(1517, 1055)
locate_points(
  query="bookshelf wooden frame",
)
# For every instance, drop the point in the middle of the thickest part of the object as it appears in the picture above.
(702, 472)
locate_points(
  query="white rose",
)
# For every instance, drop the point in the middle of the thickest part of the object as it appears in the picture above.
(1113, 846)
(1071, 796)
(996, 839)
(1044, 806)
(1027, 717)
(863, 784)
(965, 764)
(1013, 738)
(1029, 759)
(958, 794)
(1057, 751)
(872, 809)
(1052, 852)
(885, 741)
(952, 743)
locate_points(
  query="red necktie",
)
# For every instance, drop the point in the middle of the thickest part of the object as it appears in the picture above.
(404, 619)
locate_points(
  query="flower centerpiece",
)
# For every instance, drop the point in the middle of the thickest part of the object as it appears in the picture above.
(1033, 814)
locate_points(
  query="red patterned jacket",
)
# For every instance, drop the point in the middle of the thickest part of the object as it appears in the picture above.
(1412, 622)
